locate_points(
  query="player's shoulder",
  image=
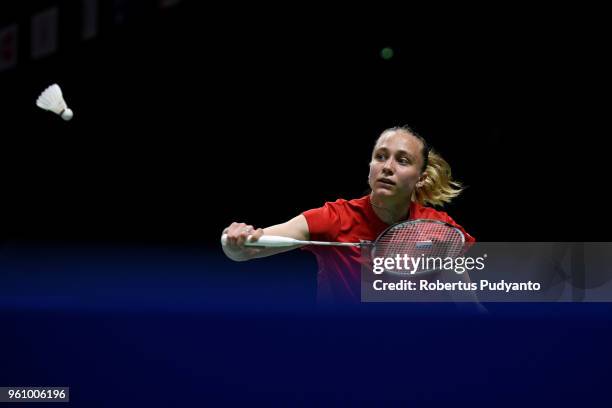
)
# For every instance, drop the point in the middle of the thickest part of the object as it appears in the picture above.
(420, 211)
(345, 204)
(329, 209)
(355, 205)
(430, 213)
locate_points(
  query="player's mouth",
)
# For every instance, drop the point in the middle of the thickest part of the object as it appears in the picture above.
(386, 181)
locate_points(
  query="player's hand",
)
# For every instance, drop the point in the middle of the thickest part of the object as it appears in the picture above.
(238, 233)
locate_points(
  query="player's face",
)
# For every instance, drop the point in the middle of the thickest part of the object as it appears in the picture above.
(396, 165)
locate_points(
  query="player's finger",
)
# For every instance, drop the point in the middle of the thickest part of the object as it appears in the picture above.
(256, 235)
(233, 233)
(242, 238)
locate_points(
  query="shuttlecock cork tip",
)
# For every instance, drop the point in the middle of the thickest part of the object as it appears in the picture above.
(67, 114)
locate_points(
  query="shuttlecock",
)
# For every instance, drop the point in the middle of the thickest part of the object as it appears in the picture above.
(51, 99)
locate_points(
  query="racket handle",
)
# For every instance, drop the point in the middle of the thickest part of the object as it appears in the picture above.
(268, 241)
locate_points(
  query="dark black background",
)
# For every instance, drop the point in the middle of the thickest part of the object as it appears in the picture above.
(192, 117)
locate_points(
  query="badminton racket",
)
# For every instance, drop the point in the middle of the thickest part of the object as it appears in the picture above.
(414, 238)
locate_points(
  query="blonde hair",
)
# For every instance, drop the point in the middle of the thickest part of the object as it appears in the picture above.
(438, 187)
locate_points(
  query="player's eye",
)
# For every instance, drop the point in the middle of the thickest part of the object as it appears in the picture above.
(404, 160)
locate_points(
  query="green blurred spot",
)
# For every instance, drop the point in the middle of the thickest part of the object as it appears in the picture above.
(386, 53)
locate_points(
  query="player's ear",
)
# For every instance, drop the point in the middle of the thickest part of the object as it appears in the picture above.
(422, 179)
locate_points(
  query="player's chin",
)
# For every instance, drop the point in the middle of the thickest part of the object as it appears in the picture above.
(392, 192)
(385, 189)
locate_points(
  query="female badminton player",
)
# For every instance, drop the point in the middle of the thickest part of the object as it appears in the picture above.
(406, 178)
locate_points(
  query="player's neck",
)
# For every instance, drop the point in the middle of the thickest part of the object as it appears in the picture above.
(389, 211)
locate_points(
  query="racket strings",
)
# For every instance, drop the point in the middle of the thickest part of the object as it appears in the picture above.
(427, 240)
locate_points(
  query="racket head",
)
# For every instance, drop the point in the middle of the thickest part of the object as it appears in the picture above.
(422, 238)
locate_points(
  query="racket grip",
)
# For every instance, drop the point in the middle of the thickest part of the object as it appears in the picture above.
(268, 241)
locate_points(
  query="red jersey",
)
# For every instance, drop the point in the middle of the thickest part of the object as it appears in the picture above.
(352, 221)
